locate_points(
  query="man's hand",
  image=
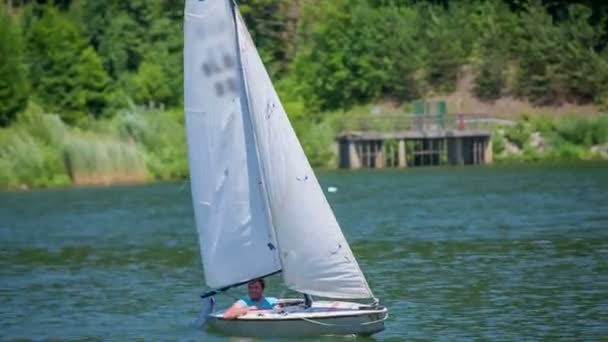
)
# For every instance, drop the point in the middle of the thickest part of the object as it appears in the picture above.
(237, 310)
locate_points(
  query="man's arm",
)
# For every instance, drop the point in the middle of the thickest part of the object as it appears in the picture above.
(237, 309)
(275, 303)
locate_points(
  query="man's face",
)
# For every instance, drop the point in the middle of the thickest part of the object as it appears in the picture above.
(255, 290)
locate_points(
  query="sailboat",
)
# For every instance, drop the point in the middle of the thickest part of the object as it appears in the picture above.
(259, 209)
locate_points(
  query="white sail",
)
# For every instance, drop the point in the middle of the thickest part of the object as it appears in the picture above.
(232, 220)
(315, 256)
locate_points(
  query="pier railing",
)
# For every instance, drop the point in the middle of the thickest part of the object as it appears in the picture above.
(417, 122)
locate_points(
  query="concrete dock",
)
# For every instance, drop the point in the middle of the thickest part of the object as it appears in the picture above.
(455, 142)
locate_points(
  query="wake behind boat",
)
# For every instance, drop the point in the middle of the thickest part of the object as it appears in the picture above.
(258, 206)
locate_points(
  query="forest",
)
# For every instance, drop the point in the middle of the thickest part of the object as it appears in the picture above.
(91, 91)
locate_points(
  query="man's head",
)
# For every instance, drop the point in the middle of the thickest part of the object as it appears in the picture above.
(256, 289)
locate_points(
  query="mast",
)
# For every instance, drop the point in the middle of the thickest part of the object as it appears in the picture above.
(249, 122)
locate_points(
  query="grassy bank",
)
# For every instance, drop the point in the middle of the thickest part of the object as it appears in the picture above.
(139, 145)
(537, 138)
(136, 145)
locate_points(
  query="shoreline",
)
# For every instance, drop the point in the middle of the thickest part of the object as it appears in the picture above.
(498, 164)
(144, 146)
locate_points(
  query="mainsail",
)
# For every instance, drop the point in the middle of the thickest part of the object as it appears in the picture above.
(245, 154)
(235, 233)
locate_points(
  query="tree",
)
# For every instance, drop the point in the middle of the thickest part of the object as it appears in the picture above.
(537, 48)
(92, 82)
(445, 39)
(96, 17)
(273, 27)
(13, 79)
(53, 49)
(119, 47)
(585, 71)
(67, 74)
(404, 53)
(165, 49)
(143, 14)
(150, 84)
(495, 24)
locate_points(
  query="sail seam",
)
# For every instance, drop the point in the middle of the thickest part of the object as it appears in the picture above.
(195, 16)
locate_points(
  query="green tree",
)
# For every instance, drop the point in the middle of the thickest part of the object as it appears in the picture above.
(404, 53)
(96, 17)
(119, 47)
(495, 24)
(366, 54)
(538, 49)
(143, 13)
(13, 78)
(150, 85)
(92, 82)
(445, 39)
(53, 49)
(320, 64)
(273, 27)
(165, 50)
(67, 74)
(583, 68)
(490, 78)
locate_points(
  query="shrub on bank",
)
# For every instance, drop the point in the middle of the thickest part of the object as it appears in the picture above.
(40, 150)
(567, 138)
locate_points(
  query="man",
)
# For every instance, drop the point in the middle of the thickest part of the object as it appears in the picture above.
(255, 301)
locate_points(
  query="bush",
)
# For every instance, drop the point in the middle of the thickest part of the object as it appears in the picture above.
(583, 131)
(490, 80)
(29, 153)
(162, 134)
(569, 151)
(498, 143)
(40, 150)
(519, 134)
(318, 142)
(95, 159)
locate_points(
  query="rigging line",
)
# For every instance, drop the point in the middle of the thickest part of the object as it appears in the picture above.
(309, 320)
(183, 185)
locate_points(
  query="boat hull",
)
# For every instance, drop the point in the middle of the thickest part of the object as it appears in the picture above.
(324, 318)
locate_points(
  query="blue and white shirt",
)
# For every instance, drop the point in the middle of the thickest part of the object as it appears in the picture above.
(266, 303)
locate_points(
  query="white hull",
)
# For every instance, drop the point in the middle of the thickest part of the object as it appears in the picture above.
(323, 318)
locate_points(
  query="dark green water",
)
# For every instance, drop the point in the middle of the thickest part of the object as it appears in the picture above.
(503, 253)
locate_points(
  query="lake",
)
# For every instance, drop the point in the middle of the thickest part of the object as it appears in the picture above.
(496, 253)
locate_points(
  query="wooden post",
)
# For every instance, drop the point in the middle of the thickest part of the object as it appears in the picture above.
(475, 150)
(364, 154)
(336, 157)
(354, 162)
(459, 158)
(488, 152)
(402, 158)
(379, 154)
(443, 157)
